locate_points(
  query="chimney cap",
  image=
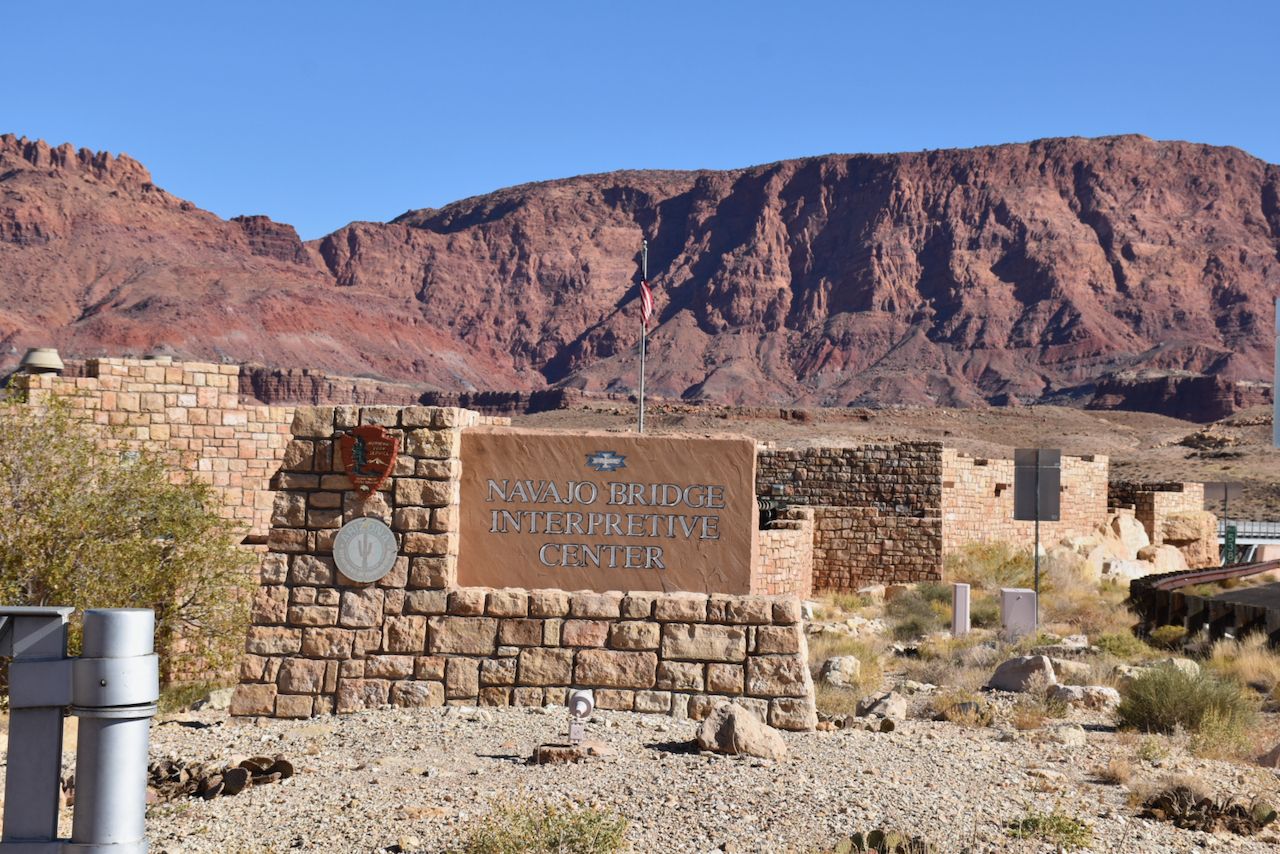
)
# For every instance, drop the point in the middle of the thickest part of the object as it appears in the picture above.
(41, 360)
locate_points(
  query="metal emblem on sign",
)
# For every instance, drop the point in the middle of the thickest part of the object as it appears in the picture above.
(606, 461)
(368, 455)
(365, 549)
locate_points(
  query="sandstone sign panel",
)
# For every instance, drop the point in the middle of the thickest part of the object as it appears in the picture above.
(606, 511)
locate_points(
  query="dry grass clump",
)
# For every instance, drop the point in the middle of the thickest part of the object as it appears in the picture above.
(1249, 661)
(1118, 771)
(963, 663)
(834, 700)
(1033, 707)
(967, 708)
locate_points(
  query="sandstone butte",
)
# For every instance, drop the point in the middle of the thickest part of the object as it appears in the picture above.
(1118, 271)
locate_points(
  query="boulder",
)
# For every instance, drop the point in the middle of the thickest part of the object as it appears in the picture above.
(732, 730)
(217, 700)
(842, 671)
(1019, 674)
(1270, 759)
(1165, 558)
(1088, 696)
(1068, 735)
(1130, 533)
(1195, 534)
(1126, 673)
(1070, 672)
(1124, 571)
(1186, 665)
(888, 704)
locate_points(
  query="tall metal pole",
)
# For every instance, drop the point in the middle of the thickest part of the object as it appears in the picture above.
(644, 328)
(1037, 546)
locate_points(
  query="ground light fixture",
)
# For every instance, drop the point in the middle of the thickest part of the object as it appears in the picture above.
(582, 703)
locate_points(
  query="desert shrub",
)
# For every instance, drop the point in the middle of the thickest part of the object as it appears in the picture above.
(990, 566)
(845, 603)
(984, 612)
(90, 526)
(1055, 827)
(545, 829)
(1122, 645)
(1168, 637)
(1165, 698)
(919, 611)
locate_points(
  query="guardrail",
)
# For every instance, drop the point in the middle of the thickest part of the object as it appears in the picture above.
(112, 688)
(1160, 600)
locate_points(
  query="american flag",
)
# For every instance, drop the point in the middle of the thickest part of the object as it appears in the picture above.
(646, 302)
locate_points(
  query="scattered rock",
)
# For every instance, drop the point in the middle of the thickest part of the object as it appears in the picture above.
(841, 671)
(730, 729)
(1018, 674)
(1087, 696)
(1165, 558)
(218, 700)
(888, 704)
(559, 754)
(1068, 735)
(1186, 665)
(1070, 672)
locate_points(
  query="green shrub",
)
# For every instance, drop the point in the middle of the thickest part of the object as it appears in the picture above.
(1165, 698)
(918, 611)
(984, 612)
(91, 524)
(1168, 637)
(1055, 827)
(1122, 645)
(545, 829)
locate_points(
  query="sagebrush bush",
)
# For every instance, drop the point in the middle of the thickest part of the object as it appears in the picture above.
(1165, 698)
(545, 829)
(923, 609)
(90, 523)
(1122, 645)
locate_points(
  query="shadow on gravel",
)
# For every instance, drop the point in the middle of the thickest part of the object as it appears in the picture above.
(689, 748)
(1099, 727)
(505, 757)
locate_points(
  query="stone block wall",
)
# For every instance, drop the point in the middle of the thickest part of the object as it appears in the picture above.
(1153, 503)
(902, 479)
(321, 643)
(784, 562)
(876, 509)
(675, 653)
(857, 546)
(977, 501)
(189, 412)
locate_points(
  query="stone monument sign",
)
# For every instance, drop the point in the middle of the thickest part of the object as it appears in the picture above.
(606, 511)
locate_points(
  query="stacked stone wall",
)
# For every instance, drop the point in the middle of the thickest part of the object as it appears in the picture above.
(190, 413)
(321, 643)
(1154, 502)
(784, 562)
(877, 509)
(857, 546)
(977, 501)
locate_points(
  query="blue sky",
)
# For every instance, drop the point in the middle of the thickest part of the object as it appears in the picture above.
(322, 113)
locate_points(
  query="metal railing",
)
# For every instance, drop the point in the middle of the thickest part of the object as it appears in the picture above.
(112, 688)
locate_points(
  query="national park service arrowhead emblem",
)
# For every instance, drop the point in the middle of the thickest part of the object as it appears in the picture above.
(368, 455)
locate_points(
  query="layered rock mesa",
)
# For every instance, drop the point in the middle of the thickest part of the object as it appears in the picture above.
(1064, 268)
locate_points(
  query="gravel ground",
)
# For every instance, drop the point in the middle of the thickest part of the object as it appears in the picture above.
(366, 780)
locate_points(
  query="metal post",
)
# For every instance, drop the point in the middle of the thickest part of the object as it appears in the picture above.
(644, 330)
(114, 688)
(39, 690)
(1037, 546)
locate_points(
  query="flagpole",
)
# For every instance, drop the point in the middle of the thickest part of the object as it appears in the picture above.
(644, 327)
